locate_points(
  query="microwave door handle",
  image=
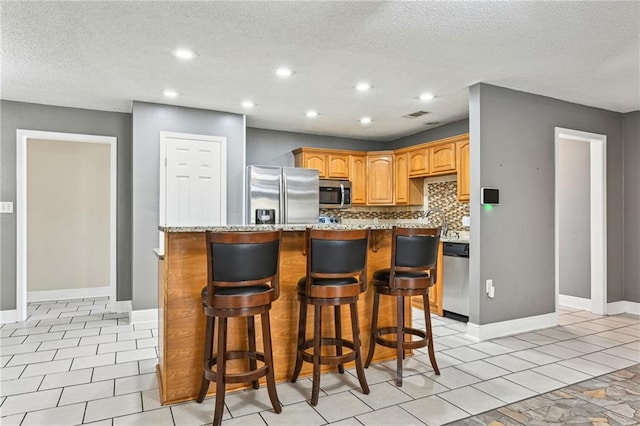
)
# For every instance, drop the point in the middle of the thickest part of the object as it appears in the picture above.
(341, 195)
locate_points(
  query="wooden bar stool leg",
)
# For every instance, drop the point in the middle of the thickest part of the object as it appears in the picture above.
(251, 332)
(302, 326)
(268, 357)
(355, 326)
(374, 325)
(208, 353)
(220, 371)
(399, 338)
(337, 316)
(427, 322)
(317, 337)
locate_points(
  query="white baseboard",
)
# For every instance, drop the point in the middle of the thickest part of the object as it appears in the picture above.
(574, 302)
(8, 316)
(507, 328)
(143, 315)
(123, 306)
(623, 307)
(72, 293)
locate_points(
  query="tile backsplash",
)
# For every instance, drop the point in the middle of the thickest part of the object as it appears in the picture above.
(440, 192)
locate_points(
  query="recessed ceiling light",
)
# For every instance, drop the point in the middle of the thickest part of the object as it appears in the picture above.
(311, 113)
(363, 86)
(365, 120)
(183, 53)
(426, 97)
(248, 104)
(284, 72)
(169, 93)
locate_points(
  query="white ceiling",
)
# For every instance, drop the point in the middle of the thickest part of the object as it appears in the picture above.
(104, 55)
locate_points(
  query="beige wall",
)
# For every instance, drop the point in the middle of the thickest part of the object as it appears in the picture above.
(68, 215)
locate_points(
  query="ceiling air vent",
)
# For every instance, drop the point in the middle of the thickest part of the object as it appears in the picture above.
(415, 114)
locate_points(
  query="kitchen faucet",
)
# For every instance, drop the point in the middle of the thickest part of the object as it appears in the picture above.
(443, 218)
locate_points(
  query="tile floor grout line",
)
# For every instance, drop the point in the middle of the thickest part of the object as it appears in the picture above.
(554, 341)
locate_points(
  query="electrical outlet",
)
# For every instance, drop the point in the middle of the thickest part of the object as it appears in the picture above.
(489, 286)
(6, 207)
(466, 221)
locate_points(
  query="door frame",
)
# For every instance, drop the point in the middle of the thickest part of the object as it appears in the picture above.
(22, 136)
(163, 175)
(598, 214)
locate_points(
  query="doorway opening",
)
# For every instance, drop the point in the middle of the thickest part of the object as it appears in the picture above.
(595, 201)
(31, 146)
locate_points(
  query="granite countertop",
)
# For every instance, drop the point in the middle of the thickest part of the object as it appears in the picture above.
(299, 227)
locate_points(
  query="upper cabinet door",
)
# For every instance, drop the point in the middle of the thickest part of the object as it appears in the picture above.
(464, 180)
(358, 177)
(442, 159)
(402, 179)
(314, 160)
(380, 179)
(418, 162)
(338, 165)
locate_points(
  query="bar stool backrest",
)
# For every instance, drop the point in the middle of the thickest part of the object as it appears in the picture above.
(414, 252)
(243, 259)
(335, 254)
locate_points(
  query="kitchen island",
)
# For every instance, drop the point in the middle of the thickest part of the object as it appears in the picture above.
(182, 273)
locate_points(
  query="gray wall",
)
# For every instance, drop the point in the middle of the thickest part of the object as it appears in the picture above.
(452, 129)
(512, 148)
(631, 132)
(574, 230)
(148, 121)
(20, 115)
(273, 147)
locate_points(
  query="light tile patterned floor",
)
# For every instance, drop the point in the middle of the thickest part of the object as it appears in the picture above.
(73, 362)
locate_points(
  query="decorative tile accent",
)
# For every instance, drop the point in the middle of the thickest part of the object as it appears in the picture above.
(440, 192)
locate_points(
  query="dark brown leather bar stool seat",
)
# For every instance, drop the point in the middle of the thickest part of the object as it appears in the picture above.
(243, 271)
(336, 275)
(414, 255)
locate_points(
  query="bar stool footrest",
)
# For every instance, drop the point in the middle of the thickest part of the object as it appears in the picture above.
(414, 344)
(328, 359)
(243, 377)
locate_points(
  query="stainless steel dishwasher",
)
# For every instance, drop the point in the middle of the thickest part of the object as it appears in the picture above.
(455, 277)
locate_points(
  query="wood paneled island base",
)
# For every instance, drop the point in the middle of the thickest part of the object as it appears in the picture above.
(182, 275)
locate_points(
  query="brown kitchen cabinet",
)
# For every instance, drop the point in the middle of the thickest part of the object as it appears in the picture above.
(338, 166)
(418, 162)
(392, 177)
(407, 191)
(358, 178)
(329, 163)
(442, 159)
(380, 178)
(464, 179)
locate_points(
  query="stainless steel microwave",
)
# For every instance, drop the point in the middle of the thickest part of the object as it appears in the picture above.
(335, 194)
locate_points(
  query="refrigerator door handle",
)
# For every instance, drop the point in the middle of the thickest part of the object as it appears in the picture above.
(284, 202)
(341, 195)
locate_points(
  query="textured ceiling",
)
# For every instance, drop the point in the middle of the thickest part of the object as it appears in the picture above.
(104, 55)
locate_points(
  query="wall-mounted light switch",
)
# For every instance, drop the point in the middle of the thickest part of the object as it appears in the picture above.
(6, 207)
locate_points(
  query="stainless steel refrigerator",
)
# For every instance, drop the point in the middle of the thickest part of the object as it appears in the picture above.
(291, 193)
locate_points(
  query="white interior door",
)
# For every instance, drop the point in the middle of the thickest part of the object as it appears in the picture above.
(193, 181)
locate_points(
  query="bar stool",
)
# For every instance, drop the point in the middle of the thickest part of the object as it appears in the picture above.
(336, 275)
(242, 281)
(414, 255)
